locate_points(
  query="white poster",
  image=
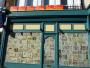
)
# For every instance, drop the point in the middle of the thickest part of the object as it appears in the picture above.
(39, 2)
(51, 2)
(70, 2)
(78, 3)
(58, 2)
(22, 2)
(35, 2)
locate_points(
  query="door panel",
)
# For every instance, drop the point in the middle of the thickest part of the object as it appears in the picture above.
(49, 51)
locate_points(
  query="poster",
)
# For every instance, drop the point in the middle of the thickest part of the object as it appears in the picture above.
(58, 2)
(73, 49)
(35, 2)
(22, 2)
(24, 48)
(40, 2)
(70, 2)
(78, 3)
(51, 2)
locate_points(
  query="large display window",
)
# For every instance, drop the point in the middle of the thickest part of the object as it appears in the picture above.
(73, 49)
(24, 48)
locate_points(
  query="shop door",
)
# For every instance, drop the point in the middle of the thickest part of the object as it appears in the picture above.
(49, 51)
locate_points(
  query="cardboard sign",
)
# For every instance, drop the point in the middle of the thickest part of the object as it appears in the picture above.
(78, 3)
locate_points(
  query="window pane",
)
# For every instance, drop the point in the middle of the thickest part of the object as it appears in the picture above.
(35, 2)
(22, 2)
(73, 49)
(16, 27)
(49, 27)
(65, 26)
(24, 48)
(49, 51)
(46, 2)
(33, 27)
(39, 2)
(64, 2)
(17, 3)
(70, 2)
(58, 2)
(79, 26)
(51, 2)
(29, 2)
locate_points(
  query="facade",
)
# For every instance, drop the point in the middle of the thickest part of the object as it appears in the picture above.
(45, 34)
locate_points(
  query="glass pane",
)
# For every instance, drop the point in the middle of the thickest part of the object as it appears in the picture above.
(51, 2)
(65, 26)
(33, 27)
(24, 48)
(58, 2)
(35, 2)
(50, 27)
(16, 26)
(73, 49)
(79, 26)
(64, 2)
(22, 2)
(49, 51)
